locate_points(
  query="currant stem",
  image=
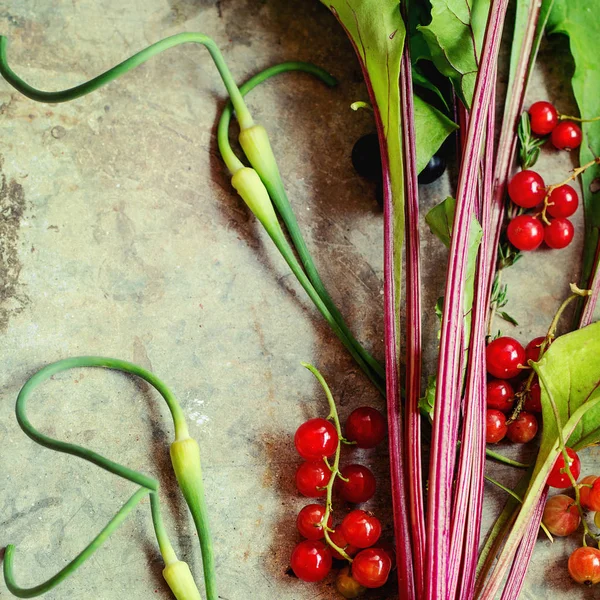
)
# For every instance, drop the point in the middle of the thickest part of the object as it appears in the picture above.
(335, 471)
(578, 119)
(574, 175)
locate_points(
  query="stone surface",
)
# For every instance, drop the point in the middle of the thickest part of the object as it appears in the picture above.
(120, 235)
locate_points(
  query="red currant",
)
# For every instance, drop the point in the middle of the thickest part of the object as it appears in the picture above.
(525, 233)
(584, 492)
(543, 117)
(566, 135)
(500, 395)
(315, 439)
(532, 350)
(561, 515)
(360, 486)
(311, 560)
(527, 189)
(337, 537)
(347, 586)
(312, 478)
(593, 497)
(361, 529)
(559, 234)
(495, 426)
(533, 402)
(584, 565)
(560, 479)
(562, 202)
(523, 429)
(371, 567)
(309, 521)
(365, 426)
(503, 357)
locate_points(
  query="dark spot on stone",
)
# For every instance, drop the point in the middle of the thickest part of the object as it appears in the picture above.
(106, 108)
(58, 132)
(290, 573)
(12, 208)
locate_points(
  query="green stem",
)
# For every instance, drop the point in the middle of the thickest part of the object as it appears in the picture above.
(503, 459)
(38, 590)
(241, 110)
(335, 468)
(278, 194)
(166, 549)
(284, 248)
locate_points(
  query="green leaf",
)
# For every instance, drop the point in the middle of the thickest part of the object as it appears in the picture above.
(427, 402)
(432, 127)
(580, 20)
(508, 318)
(454, 37)
(420, 80)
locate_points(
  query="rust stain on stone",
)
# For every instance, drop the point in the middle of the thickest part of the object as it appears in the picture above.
(12, 208)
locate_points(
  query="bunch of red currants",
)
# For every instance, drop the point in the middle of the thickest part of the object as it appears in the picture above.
(316, 441)
(505, 359)
(527, 189)
(563, 515)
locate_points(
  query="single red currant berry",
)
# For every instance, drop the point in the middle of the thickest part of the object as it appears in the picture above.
(561, 515)
(543, 117)
(360, 486)
(347, 586)
(495, 426)
(365, 426)
(559, 477)
(309, 521)
(315, 439)
(311, 560)
(371, 567)
(500, 395)
(525, 233)
(503, 357)
(337, 537)
(527, 189)
(593, 497)
(312, 478)
(584, 565)
(361, 529)
(533, 402)
(532, 350)
(523, 429)
(584, 492)
(566, 136)
(559, 234)
(562, 202)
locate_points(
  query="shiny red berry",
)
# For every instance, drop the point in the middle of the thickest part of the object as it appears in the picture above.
(315, 439)
(337, 537)
(559, 477)
(559, 234)
(495, 426)
(312, 478)
(500, 395)
(309, 521)
(533, 401)
(584, 565)
(593, 496)
(562, 202)
(360, 485)
(311, 560)
(525, 233)
(584, 492)
(523, 429)
(543, 117)
(527, 189)
(361, 529)
(371, 567)
(532, 350)
(566, 136)
(365, 426)
(561, 515)
(503, 357)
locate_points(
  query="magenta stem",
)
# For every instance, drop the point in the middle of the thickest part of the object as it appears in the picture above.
(449, 379)
(587, 315)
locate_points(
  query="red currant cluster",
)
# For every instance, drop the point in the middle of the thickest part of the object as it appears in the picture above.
(505, 358)
(317, 440)
(564, 515)
(527, 189)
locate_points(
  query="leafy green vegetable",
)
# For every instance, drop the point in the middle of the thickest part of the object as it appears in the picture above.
(431, 128)
(454, 37)
(427, 402)
(529, 144)
(580, 20)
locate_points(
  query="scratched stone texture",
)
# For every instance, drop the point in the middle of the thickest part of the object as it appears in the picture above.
(120, 235)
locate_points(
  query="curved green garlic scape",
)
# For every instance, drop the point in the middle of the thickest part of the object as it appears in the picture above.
(148, 484)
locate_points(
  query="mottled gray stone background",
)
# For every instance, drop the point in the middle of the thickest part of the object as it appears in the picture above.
(120, 235)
